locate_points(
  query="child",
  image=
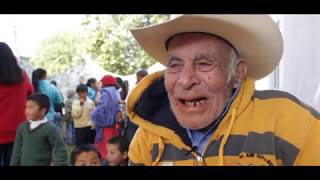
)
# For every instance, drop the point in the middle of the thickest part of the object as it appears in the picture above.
(81, 114)
(38, 142)
(117, 148)
(85, 155)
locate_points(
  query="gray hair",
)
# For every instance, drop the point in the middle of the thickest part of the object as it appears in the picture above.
(232, 66)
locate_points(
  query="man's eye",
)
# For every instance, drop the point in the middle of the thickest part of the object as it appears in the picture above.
(204, 63)
(174, 67)
(204, 66)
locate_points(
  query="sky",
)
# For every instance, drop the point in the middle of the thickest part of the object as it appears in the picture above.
(32, 29)
(24, 33)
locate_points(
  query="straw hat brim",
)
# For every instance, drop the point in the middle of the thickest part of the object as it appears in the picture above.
(257, 38)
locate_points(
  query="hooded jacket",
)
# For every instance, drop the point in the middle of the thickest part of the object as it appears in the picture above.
(260, 128)
(104, 114)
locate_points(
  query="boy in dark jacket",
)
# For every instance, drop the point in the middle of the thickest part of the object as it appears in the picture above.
(38, 142)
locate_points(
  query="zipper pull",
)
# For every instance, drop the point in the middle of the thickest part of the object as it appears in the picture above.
(199, 159)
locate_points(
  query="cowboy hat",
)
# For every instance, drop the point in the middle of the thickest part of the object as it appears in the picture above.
(256, 38)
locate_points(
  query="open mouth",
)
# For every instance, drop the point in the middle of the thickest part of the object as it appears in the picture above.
(193, 102)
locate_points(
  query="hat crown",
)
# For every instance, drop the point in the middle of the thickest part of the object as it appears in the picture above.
(257, 38)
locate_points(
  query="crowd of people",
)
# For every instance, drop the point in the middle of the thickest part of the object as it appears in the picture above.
(41, 127)
(203, 109)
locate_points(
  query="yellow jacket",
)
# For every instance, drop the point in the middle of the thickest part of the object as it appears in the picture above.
(260, 128)
(82, 114)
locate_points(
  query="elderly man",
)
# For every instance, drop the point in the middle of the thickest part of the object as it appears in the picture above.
(203, 109)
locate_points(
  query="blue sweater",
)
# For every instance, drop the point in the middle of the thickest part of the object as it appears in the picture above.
(92, 93)
(50, 90)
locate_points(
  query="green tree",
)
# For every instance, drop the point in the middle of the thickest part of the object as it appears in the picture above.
(111, 43)
(59, 53)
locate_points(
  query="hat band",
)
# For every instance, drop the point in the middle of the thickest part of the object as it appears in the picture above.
(229, 43)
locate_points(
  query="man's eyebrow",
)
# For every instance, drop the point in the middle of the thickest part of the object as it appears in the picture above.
(206, 56)
(173, 57)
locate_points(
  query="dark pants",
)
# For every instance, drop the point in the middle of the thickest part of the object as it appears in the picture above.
(57, 121)
(130, 129)
(83, 136)
(5, 154)
(93, 135)
(70, 133)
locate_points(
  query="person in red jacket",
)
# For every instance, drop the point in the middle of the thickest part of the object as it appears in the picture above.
(15, 87)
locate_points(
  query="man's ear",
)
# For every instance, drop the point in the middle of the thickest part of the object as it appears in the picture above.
(241, 69)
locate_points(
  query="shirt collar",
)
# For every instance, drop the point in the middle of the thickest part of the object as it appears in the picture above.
(35, 124)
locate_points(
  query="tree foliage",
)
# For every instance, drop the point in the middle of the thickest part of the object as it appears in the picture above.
(59, 53)
(106, 38)
(111, 43)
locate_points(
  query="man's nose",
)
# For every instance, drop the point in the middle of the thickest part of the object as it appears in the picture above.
(188, 77)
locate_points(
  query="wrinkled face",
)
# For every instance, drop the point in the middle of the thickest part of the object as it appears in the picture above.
(114, 156)
(33, 111)
(196, 78)
(88, 159)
